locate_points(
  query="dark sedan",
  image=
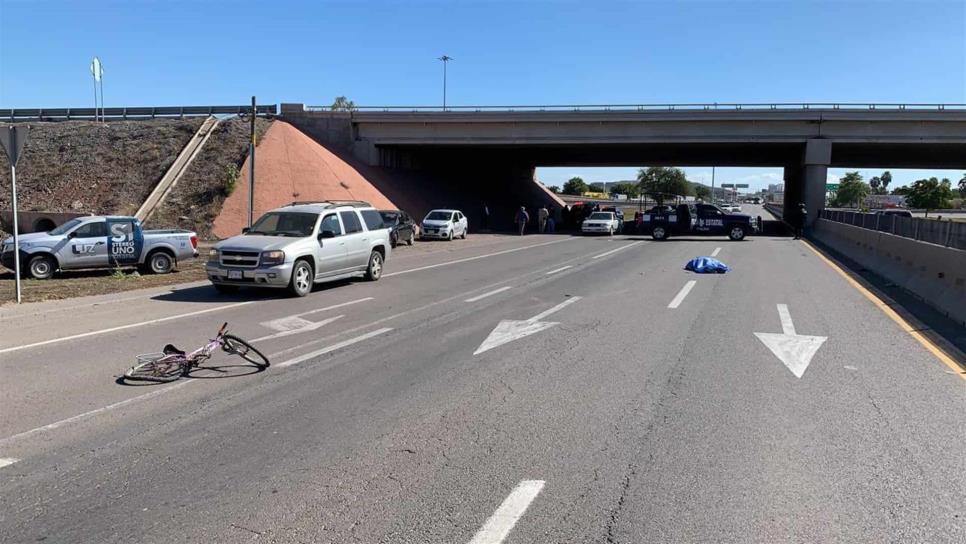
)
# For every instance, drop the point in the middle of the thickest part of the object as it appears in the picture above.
(401, 226)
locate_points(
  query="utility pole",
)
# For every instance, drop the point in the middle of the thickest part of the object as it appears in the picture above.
(712, 184)
(445, 59)
(251, 168)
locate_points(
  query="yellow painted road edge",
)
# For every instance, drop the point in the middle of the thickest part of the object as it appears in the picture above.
(903, 324)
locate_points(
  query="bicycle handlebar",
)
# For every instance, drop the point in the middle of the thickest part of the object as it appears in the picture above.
(221, 331)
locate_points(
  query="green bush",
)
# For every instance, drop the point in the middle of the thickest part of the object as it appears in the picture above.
(231, 178)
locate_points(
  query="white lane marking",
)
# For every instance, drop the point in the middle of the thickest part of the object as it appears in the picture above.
(561, 269)
(7, 461)
(334, 306)
(333, 347)
(85, 415)
(786, 318)
(715, 252)
(509, 330)
(457, 261)
(288, 323)
(306, 326)
(123, 327)
(555, 309)
(498, 527)
(484, 295)
(606, 253)
(679, 298)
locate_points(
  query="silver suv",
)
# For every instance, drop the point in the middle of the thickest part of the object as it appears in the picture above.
(301, 244)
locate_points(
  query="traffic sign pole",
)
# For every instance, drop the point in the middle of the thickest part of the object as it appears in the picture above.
(12, 142)
(16, 232)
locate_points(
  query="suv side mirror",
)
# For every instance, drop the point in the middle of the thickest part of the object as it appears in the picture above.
(71, 234)
(326, 234)
(245, 230)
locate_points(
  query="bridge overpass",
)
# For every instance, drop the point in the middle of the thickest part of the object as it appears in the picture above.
(492, 145)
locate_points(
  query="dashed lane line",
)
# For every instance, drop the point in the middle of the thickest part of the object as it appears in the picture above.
(679, 298)
(622, 248)
(561, 269)
(491, 293)
(498, 527)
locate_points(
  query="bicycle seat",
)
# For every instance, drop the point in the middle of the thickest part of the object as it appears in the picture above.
(171, 350)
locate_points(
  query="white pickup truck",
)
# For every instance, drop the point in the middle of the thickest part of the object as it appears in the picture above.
(100, 242)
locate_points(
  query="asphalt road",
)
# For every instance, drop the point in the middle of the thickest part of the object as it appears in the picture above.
(637, 409)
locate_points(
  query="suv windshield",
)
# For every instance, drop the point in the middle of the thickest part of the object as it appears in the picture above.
(65, 227)
(439, 216)
(389, 217)
(601, 215)
(285, 224)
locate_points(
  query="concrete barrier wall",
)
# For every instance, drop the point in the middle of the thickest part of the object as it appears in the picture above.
(935, 273)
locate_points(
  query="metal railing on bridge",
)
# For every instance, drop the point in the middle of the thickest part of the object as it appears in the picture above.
(945, 233)
(701, 106)
(148, 112)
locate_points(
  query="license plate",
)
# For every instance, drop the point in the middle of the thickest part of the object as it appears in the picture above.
(234, 274)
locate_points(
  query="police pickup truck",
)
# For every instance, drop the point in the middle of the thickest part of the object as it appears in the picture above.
(697, 219)
(100, 242)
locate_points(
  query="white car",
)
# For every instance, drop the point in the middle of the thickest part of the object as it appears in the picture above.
(600, 223)
(444, 225)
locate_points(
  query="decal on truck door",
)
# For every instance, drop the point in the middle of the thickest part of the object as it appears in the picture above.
(124, 242)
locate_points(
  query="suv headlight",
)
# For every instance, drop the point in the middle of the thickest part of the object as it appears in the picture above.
(273, 257)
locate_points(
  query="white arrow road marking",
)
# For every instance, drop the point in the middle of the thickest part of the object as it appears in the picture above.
(794, 350)
(509, 330)
(496, 529)
(715, 252)
(294, 325)
(7, 461)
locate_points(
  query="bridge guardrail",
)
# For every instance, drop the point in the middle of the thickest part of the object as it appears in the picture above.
(712, 106)
(67, 114)
(944, 233)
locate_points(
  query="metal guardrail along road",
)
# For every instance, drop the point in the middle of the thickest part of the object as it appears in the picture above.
(713, 106)
(148, 112)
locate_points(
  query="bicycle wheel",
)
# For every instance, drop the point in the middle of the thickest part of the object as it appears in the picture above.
(237, 346)
(160, 369)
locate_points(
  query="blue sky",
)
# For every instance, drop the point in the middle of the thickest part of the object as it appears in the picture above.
(559, 52)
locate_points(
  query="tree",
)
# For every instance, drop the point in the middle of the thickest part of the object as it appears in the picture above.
(555, 189)
(885, 179)
(930, 194)
(875, 183)
(575, 186)
(597, 187)
(702, 192)
(852, 190)
(342, 103)
(659, 181)
(901, 191)
(962, 186)
(629, 189)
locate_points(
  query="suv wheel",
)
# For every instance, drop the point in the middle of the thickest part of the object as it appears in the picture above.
(393, 239)
(659, 233)
(412, 237)
(41, 267)
(449, 238)
(463, 236)
(301, 282)
(736, 233)
(374, 270)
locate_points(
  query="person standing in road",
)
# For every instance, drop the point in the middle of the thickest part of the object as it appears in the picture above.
(542, 215)
(521, 219)
(800, 217)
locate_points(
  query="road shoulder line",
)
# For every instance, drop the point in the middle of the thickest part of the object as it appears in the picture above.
(879, 300)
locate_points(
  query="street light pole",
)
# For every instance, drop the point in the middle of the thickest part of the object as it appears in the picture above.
(445, 59)
(251, 167)
(712, 184)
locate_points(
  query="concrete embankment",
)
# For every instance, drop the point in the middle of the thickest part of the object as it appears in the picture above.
(935, 273)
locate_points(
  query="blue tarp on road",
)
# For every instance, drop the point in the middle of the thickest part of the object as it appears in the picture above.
(706, 265)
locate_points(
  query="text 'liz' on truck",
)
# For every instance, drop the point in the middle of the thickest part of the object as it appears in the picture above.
(100, 242)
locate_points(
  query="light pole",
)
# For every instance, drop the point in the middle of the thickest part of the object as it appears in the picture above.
(445, 59)
(712, 184)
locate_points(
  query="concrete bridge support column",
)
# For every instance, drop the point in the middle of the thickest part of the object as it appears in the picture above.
(818, 156)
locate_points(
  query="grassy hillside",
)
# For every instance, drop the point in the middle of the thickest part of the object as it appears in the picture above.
(198, 197)
(98, 168)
